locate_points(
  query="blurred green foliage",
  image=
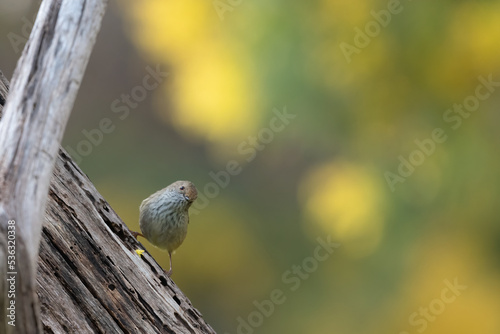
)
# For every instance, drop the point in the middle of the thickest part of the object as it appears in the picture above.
(359, 115)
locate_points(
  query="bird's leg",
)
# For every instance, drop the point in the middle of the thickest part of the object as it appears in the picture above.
(169, 273)
(136, 234)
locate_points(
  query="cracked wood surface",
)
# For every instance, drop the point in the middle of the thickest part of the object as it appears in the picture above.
(88, 264)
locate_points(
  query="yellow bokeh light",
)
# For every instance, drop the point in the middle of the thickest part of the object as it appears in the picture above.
(213, 90)
(213, 95)
(169, 29)
(345, 200)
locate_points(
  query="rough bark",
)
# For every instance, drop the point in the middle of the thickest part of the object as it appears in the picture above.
(89, 277)
(4, 84)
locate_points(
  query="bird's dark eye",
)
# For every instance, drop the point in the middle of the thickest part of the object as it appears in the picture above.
(182, 188)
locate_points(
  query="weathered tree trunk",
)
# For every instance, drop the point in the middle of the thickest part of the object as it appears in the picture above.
(90, 280)
(44, 87)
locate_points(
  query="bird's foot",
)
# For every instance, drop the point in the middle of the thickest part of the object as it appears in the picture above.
(136, 234)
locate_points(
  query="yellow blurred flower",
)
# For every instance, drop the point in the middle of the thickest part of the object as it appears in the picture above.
(169, 30)
(345, 200)
(214, 95)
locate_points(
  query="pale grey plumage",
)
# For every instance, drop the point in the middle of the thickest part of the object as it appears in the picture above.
(164, 216)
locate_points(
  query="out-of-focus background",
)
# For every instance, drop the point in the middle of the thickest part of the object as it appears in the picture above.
(346, 154)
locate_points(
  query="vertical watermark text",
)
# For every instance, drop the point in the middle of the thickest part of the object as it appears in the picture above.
(12, 272)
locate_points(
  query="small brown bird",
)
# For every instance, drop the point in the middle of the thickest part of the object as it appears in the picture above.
(164, 216)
